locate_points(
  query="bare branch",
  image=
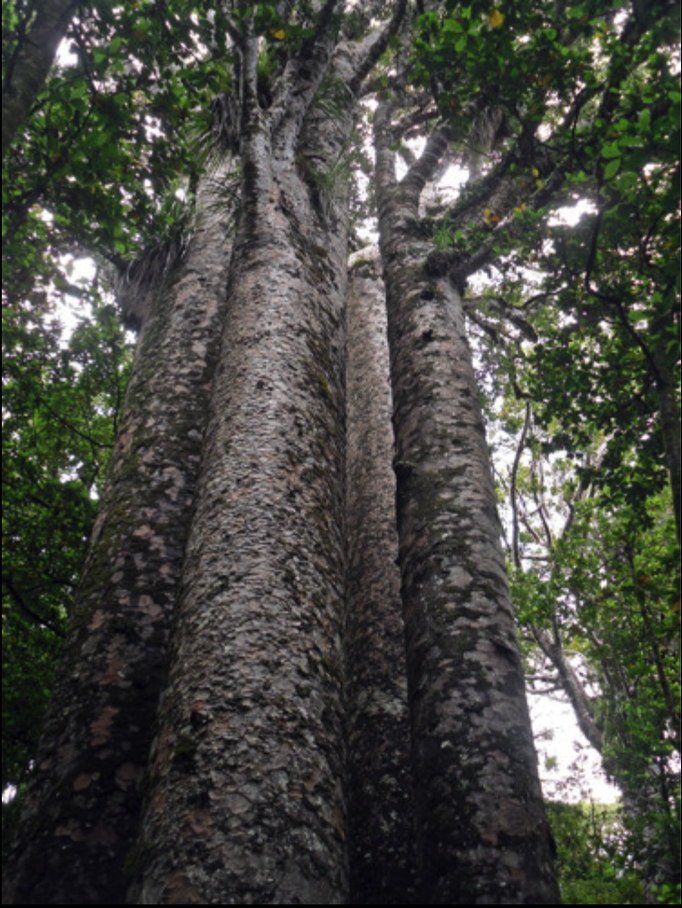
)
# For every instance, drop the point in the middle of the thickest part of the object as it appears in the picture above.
(426, 165)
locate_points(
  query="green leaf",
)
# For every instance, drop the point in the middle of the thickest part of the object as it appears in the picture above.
(452, 25)
(611, 151)
(612, 169)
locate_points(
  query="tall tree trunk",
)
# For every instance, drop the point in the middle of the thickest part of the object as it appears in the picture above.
(25, 72)
(380, 812)
(246, 790)
(482, 837)
(246, 801)
(83, 802)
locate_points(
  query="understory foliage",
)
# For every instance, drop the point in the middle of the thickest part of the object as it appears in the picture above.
(590, 856)
(575, 323)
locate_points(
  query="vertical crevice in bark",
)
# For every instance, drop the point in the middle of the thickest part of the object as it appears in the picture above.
(83, 802)
(380, 813)
(482, 837)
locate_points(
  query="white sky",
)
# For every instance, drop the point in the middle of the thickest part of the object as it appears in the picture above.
(577, 774)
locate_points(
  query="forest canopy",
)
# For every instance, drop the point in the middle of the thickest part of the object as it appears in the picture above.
(536, 108)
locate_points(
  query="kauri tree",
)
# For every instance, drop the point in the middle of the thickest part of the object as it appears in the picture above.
(235, 719)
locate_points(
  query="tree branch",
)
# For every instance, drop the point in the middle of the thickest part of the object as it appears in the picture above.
(301, 79)
(572, 686)
(426, 165)
(385, 158)
(30, 64)
(366, 64)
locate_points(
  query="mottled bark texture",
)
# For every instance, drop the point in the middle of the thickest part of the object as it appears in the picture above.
(246, 791)
(83, 802)
(482, 837)
(380, 811)
(24, 73)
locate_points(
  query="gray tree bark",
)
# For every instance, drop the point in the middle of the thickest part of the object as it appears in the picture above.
(482, 836)
(82, 806)
(25, 72)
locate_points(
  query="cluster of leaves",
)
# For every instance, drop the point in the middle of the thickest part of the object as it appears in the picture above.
(589, 841)
(107, 136)
(469, 47)
(533, 60)
(614, 278)
(668, 894)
